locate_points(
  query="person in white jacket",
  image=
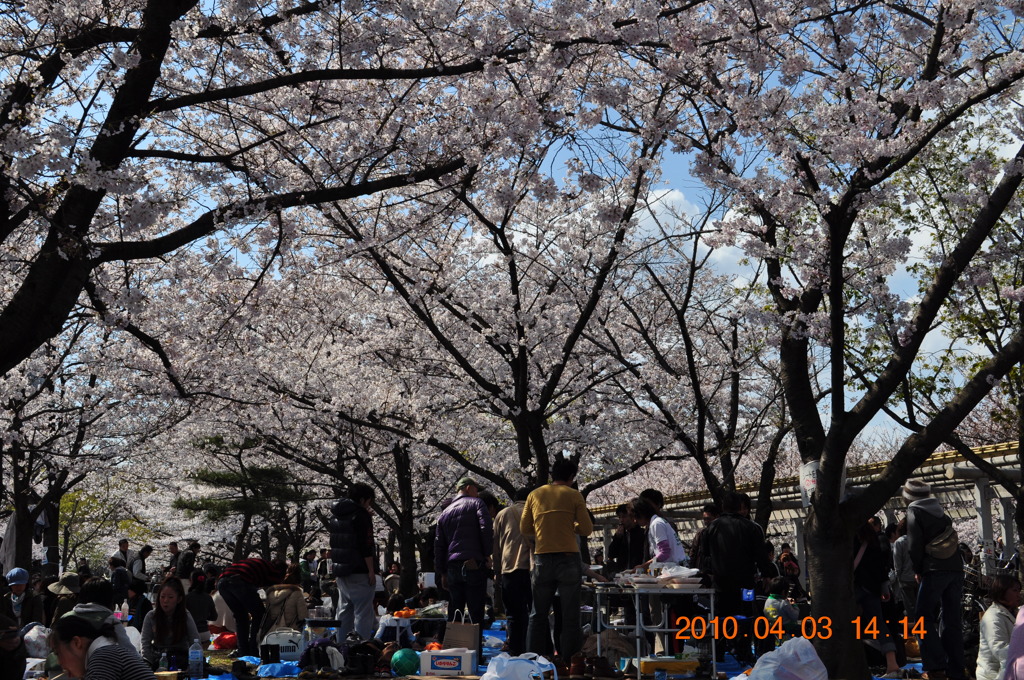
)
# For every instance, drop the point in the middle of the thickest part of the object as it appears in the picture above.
(996, 627)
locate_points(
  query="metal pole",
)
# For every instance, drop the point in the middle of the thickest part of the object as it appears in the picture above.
(983, 509)
(1009, 529)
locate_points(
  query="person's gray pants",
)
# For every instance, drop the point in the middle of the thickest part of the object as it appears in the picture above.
(355, 606)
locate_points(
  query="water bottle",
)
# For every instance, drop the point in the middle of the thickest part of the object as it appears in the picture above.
(195, 660)
(163, 662)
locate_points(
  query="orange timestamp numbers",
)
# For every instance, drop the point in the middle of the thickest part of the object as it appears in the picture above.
(728, 628)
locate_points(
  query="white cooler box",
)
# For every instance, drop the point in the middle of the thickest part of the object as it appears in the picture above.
(457, 661)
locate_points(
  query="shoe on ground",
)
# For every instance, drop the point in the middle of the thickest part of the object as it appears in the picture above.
(893, 674)
(578, 667)
(599, 668)
(242, 671)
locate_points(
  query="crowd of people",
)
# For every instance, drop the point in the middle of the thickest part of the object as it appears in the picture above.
(531, 558)
(536, 547)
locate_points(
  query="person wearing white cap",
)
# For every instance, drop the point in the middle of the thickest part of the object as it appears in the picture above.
(21, 604)
(939, 570)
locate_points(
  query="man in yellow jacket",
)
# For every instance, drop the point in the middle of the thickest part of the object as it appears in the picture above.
(556, 516)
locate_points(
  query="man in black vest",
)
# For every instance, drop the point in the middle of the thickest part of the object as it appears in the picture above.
(353, 553)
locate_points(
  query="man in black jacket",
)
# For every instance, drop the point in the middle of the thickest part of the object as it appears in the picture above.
(941, 579)
(354, 554)
(709, 513)
(626, 550)
(733, 551)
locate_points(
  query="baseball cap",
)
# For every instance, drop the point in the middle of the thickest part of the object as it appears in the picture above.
(17, 577)
(466, 481)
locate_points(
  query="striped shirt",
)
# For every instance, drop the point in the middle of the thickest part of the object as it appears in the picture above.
(114, 662)
(254, 571)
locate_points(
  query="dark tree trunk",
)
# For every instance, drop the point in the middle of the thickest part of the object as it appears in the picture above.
(51, 542)
(427, 549)
(540, 448)
(388, 554)
(24, 517)
(763, 514)
(242, 540)
(830, 571)
(408, 582)
(23, 526)
(1018, 512)
(264, 546)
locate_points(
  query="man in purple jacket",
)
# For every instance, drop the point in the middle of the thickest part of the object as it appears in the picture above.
(462, 549)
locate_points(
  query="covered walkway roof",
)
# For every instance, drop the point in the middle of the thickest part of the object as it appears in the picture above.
(962, 489)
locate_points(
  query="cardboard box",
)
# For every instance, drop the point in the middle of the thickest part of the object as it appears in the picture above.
(671, 665)
(458, 661)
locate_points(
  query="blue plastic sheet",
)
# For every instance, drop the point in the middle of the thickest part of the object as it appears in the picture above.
(289, 669)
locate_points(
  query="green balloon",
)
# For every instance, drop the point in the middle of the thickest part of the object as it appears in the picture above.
(405, 662)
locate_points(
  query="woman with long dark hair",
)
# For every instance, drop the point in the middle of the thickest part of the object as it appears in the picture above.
(169, 628)
(200, 604)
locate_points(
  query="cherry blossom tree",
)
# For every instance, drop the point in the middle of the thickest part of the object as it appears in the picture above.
(985, 307)
(99, 511)
(696, 367)
(67, 415)
(840, 99)
(135, 129)
(476, 171)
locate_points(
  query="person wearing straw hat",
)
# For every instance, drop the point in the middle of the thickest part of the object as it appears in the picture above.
(940, 576)
(66, 589)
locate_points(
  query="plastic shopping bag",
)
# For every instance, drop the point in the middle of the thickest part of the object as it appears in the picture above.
(794, 660)
(36, 640)
(524, 667)
(225, 641)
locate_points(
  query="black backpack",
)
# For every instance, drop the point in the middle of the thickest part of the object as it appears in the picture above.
(315, 655)
(361, 657)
